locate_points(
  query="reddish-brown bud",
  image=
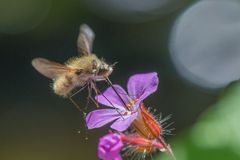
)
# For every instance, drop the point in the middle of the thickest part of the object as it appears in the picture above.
(146, 125)
(142, 144)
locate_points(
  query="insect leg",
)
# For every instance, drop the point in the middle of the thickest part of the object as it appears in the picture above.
(81, 89)
(83, 114)
(75, 104)
(99, 92)
(90, 87)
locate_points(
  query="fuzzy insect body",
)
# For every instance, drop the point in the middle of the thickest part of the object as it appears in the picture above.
(79, 71)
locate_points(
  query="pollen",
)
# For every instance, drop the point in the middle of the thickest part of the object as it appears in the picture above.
(131, 103)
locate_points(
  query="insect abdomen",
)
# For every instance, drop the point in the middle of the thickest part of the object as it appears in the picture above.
(63, 86)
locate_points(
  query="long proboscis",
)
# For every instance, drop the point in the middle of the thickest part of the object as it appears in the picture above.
(98, 91)
(114, 89)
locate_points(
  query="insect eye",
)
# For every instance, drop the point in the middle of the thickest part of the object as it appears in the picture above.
(78, 72)
(102, 71)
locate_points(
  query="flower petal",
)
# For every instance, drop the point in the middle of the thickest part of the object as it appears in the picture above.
(141, 86)
(109, 147)
(123, 122)
(101, 117)
(113, 99)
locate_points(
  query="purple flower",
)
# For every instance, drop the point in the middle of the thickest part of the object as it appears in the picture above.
(109, 147)
(139, 87)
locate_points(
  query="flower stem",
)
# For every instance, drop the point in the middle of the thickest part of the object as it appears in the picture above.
(167, 147)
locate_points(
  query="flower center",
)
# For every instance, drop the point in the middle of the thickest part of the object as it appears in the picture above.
(131, 103)
(128, 113)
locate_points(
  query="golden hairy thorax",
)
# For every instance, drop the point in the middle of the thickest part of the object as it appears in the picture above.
(84, 62)
(64, 84)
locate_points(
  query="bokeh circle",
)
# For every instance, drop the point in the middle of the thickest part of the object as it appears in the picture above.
(205, 43)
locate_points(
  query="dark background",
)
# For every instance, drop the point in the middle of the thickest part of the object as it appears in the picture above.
(35, 123)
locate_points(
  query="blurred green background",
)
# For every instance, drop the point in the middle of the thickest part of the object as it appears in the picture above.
(36, 124)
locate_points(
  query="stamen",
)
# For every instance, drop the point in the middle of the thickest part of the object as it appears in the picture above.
(131, 103)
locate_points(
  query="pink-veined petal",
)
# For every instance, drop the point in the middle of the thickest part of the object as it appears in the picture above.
(111, 99)
(141, 86)
(124, 122)
(101, 117)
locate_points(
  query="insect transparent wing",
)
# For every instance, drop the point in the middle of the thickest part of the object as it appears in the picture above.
(49, 68)
(85, 40)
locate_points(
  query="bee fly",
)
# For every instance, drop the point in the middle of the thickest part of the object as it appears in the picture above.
(78, 72)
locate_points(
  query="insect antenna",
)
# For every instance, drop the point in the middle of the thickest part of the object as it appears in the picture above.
(112, 65)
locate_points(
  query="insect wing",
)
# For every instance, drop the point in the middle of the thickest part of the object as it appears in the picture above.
(85, 40)
(49, 68)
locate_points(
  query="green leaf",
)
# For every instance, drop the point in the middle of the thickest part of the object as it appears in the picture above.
(216, 135)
